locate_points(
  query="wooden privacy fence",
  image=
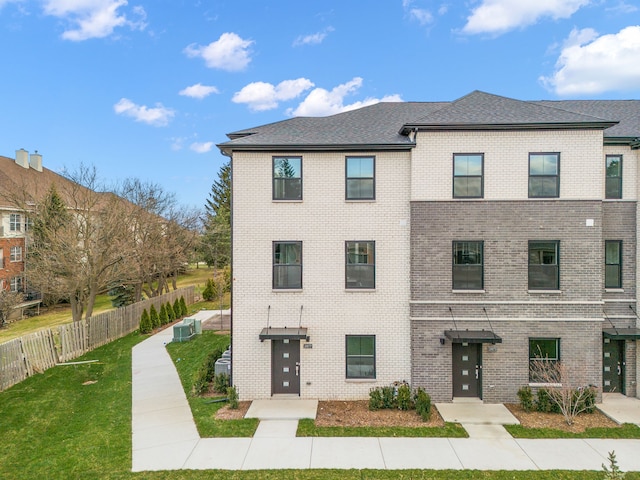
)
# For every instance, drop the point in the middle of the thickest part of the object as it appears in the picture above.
(34, 353)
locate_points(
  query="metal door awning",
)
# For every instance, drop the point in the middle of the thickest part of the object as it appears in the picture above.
(621, 333)
(281, 333)
(472, 336)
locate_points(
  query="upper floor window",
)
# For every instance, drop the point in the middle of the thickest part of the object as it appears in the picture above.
(613, 186)
(544, 354)
(467, 266)
(543, 265)
(544, 175)
(16, 254)
(16, 284)
(468, 175)
(613, 264)
(361, 265)
(287, 265)
(15, 222)
(28, 224)
(360, 178)
(287, 178)
(361, 356)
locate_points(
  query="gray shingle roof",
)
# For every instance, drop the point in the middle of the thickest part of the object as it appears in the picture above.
(385, 125)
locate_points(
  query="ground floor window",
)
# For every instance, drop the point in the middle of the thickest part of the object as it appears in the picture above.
(544, 354)
(361, 356)
(16, 254)
(16, 284)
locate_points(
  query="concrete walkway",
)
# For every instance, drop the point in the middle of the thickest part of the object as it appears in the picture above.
(165, 438)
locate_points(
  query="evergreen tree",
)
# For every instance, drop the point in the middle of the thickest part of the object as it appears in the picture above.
(215, 245)
(183, 306)
(177, 309)
(145, 322)
(170, 313)
(153, 315)
(121, 295)
(164, 319)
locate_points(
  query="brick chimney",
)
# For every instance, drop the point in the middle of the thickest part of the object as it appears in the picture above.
(35, 161)
(22, 158)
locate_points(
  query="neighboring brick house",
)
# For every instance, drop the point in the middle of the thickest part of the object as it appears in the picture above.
(443, 244)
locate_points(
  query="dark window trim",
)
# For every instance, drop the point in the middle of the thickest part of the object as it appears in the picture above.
(274, 265)
(347, 177)
(557, 264)
(481, 176)
(346, 357)
(557, 175)
(347, 264)
(273, 178)
(619, 264)
(618, 177)
(454, 264)
(531, 359)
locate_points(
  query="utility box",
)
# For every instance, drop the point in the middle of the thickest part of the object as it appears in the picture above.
(222, 365)
(197, 324)
(182, 332)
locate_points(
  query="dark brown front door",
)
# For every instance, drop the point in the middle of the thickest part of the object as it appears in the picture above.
(467, 369)
(285, 366)
(613, 366)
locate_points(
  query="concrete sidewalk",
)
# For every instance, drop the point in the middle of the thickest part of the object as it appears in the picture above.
(165, 438)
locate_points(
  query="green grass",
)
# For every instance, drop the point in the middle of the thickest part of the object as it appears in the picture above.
(188, 358)
(625, 431)
(307, 428)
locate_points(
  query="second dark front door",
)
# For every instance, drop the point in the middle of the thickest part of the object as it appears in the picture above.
(467, 369)
(613, 366)
(285, 366)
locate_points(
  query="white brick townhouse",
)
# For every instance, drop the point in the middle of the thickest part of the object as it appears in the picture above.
(438, 243)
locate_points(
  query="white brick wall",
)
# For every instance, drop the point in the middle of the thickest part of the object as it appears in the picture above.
(506, 162)
(323, 221)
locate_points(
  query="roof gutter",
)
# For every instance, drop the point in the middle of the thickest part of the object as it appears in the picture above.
(409, 127)
(228, 149)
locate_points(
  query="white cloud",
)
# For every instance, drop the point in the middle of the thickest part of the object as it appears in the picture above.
(230, 52)
(422, 16)
(260, 96)
(158, 116)
(589, 64)
(500, 16)
(321, 102)
(94, 18)
(198, 91)
(313, 39)
(201, 147)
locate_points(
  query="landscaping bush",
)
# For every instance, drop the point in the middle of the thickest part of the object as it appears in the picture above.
(153, 315)
(544, 402)
(375, 399)
(422, 403)
(526, 398)
(388, 397)
(145, 322)
(177, 310)
(206, 373)
(171, 316)
(587, 399)
(183, 307)
(209, 292)
(403, 397)
(221, 383)
(163, 317)
(232, 395)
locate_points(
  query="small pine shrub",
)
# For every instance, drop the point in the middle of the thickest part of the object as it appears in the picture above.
(221, 383)
(183, 306)
(209, 292)
(164, 319)
(170, 313)
(422, 402)
(226, 278)
(613, 472)
(232, 395)
(375, 399)
(177, 310)
(403, 397)
(526, 398)
(153, 315)
(145, 322)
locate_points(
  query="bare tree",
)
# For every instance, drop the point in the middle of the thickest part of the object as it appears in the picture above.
(8, 302)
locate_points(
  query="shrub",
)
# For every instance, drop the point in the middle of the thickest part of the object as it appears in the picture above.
(145, 322)
(183, 307)
(403, 397)
(163, 317)
(206, 373)
(526, 398)
(423, 404)
(209, 292)
(177, 310)
(226, 278)
(221, 383)
(153, 315)
(388, 397)
(232, 395)
(171, 316)
(586, 398)
(545, 403)
(375, 399)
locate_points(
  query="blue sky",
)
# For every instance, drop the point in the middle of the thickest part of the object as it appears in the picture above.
(147, 88)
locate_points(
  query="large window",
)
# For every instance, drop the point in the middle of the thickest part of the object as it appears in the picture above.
(467, 265)
(544, 354)
(287, 178)
(544, 175)
(16, 284)
(613, 187)
(613, 264)
(360, 178)
(543, 265)
(467, 175)
(287, 265)
(16, 254)
(361, 356)
(360, 265)
(15, 222)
